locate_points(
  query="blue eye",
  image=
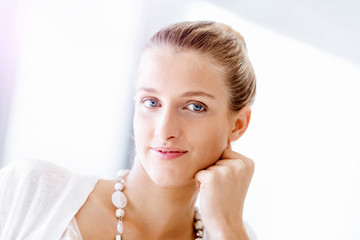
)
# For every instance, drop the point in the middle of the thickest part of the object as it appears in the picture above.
(150, 103)
(196, 107)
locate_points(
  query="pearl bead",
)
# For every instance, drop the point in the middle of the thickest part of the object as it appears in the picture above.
(119, 199)
(199, 233)
(198, 225)
(120, 227)
(122, 173)
(120, 213)
(118, 237)
(118, 186)
(197, 215)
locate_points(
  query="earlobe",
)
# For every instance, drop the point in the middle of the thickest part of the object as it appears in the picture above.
(240, 123)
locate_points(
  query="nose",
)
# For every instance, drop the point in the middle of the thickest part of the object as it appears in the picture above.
(168, 125)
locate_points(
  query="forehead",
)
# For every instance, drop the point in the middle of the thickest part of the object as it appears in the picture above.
(161, 67)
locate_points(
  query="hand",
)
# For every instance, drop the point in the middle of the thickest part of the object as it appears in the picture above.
(223, 188)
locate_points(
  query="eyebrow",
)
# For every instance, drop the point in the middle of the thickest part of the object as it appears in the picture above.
(197, 93)
(186, 94)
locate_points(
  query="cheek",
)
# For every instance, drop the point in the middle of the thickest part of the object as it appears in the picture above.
(142, 129)
(211, 142)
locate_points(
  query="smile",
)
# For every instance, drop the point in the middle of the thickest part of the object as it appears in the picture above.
(165, 153)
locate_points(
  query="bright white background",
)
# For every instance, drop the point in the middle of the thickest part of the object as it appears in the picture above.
(70, 66)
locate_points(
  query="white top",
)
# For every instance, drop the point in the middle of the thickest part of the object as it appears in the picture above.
(39, 200)
(72, 232)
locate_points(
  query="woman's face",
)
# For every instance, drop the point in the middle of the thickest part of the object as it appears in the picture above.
(182, 121)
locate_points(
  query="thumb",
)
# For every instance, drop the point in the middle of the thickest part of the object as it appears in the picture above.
(199, 177)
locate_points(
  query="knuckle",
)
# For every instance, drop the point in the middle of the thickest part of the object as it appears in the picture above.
(210, 178)
(246, 164)
(225, 170)
(250, 165)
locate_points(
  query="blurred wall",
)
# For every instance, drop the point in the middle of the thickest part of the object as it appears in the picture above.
(9, 35)
(72, 104)
(72, 95)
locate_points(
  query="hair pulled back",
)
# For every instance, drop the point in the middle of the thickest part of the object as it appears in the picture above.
(220, 42)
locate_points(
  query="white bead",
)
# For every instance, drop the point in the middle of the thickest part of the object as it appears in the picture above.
(198, 225)
(197, 216)
(118, 186)
(120, 227)
(120, 213)
(122, 173)
(198, 238)
(118, 237)
(199, 233)
(119, 199)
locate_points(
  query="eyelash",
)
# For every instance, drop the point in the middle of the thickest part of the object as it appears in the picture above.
(200, 104)
(143, 101)
(204, 107)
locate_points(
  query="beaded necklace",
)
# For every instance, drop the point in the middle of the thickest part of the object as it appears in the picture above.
(119, 200)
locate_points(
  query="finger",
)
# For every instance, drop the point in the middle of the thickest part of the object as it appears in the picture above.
(199, 176)
(205, 177)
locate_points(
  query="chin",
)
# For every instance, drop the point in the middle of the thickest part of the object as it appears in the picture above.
(168, 174)
(169, 177)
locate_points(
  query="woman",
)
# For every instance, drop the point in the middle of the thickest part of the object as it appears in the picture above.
(193, 91)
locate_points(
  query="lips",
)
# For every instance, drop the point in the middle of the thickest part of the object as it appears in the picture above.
(168, 153)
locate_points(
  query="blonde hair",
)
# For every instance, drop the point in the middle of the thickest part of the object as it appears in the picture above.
(224, 45)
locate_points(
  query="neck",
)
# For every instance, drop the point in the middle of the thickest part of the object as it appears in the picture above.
(163, 211)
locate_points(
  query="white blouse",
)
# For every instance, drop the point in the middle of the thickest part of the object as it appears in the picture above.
(72, 232)
(39, 199)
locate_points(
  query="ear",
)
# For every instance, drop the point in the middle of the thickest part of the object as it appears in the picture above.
(240, 122)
